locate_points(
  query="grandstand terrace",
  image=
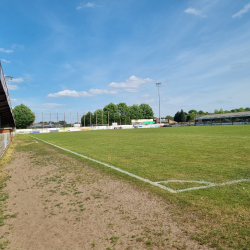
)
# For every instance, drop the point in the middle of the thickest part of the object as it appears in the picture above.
(234, 118)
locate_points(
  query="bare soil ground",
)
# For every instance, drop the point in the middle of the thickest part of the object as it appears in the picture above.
(62, 203)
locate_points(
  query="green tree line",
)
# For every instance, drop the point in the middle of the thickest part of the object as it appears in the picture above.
(120, 113)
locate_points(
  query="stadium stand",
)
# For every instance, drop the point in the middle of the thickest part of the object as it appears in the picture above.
(234, 118)
(7, 122)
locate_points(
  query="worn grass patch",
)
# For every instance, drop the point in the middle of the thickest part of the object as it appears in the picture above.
(3, 194)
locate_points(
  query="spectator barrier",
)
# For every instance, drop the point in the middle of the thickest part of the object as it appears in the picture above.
(74, 129)
(6, 136)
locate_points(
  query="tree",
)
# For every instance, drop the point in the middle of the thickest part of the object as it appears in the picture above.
(201, 112)
(63, 123)
(180, 116)
(23, 116)
(177, 116)
(111, 111)
(192, 116)
(135, 112)
(99, 114)
(87, 119)
(147, 111)
(221, 111)
(123, 110)
(169, 117)
(193, 111)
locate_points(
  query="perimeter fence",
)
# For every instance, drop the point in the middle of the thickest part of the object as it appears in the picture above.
(6, 136)
(58, 119)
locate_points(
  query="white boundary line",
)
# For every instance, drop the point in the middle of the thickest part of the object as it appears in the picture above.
(208, 184)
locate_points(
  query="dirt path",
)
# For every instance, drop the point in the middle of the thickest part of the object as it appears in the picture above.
(61, 203)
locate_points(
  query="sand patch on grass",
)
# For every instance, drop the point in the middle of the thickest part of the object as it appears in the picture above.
(62, 203)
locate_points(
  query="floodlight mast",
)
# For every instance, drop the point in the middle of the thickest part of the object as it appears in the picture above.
(158, 84)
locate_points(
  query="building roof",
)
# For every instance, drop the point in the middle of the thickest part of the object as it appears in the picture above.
(7, 118)
(223, 115)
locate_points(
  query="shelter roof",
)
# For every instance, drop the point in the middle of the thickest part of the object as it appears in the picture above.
(7, 117)
(223, 115)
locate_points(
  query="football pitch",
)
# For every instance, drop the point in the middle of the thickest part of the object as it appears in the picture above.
(180, 159)
(203, 171)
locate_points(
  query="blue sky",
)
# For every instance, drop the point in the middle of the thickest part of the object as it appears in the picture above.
(78, 56)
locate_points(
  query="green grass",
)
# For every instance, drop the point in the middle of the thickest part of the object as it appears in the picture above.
(215, 154)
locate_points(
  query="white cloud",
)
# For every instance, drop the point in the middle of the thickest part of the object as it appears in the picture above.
(17, 80)
(6, 50)
(17, 46)
(91, 92)
(194, 12)
(51, 105)
(150, 101)
(13, 87)
(131, 90)
(70, 93)
(241, 12)
(6, 61)
(102, 91)
(14, 100)
(88, 5)
(237, 65)
(132, 82)
(145, 96)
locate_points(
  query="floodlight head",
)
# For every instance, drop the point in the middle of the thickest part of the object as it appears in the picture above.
(8, 77)
(158, 84)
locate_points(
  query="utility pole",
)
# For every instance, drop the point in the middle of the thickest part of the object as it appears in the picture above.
(158, 84)
(77, 118)
(90, 119)
(50, 119)
(57, 118)
(70, 119)
(34, 117)
(43, 122)
(102, 118)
